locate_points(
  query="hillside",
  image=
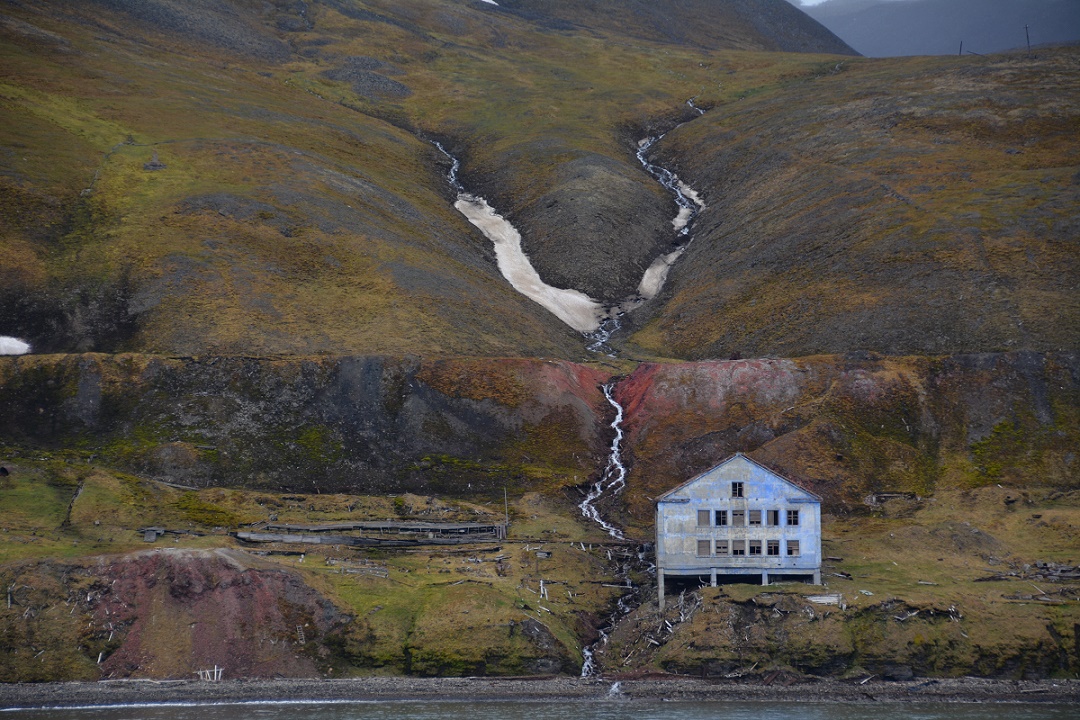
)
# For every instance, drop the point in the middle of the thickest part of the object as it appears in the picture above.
(927, 206)
(888, 28)
(977, 450)
(255, 247)
(298, 205)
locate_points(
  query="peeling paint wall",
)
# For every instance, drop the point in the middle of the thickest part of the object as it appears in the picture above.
(680, 528)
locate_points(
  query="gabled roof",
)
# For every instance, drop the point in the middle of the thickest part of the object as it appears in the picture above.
(734, 457)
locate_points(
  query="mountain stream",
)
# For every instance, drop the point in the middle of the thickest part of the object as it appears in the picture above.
(590, 317)
(612, 481)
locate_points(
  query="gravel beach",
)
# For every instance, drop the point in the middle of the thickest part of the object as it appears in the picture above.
(969, 690)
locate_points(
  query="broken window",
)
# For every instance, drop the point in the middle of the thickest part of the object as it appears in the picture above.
(704, 547)
(792, 517)
(755, 518)
(703, 518)
(792, 548)
(773, 518)
(755, 547)
(738, 518)
(721, 518)
(772, 548)
(721, 547)
(736, 489)
(738, 547)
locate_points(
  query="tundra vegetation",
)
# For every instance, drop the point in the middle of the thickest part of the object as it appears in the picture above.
(232, 246)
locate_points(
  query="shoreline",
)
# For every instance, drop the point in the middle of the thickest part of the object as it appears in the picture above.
(391, 689)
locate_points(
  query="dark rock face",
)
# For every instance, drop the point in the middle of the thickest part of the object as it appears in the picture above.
(361, 73)
(843, 427)
(364, 425)
(846, 428)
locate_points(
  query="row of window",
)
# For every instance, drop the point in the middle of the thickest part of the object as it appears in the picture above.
(705, 548)
(745, 518)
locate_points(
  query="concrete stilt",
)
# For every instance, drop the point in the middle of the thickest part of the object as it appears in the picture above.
(660, 587)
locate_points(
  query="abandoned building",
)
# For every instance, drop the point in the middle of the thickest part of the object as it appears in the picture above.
(738, 522)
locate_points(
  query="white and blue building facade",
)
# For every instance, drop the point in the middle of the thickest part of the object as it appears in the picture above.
(737, 522)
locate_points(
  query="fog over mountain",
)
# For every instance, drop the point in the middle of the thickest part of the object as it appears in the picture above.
(885, 28)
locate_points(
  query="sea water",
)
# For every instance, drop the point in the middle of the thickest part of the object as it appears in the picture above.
(575, 710)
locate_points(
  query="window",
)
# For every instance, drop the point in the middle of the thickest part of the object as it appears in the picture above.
(703, 518)
(721, 518)
(736, 489)
(722, 547)
(738, 547)
(792, 517)
(755, 547)
(792, 548)
(772, 548)
(738, 518)
(704, 547)
(755, 517)
(773, 518)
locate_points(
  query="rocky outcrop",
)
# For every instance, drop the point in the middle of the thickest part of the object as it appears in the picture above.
(165, 614)
(844, 426)
(362, 425)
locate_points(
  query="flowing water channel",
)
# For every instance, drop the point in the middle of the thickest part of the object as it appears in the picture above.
(612, 481)
(590, 317)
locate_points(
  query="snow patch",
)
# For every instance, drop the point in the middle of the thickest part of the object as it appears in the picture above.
(655, 277)
(13, 346)
(574, 308)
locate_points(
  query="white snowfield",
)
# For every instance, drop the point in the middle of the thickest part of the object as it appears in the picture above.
(13, 346)
(574, 308)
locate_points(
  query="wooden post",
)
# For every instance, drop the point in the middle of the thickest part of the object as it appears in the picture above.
(660, 587)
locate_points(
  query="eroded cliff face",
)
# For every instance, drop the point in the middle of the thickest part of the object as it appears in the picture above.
(842, 426)
(363, 425)
(848, 426)
(983, 444)
(166, 613)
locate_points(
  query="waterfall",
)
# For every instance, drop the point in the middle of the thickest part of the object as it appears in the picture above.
(613, 479)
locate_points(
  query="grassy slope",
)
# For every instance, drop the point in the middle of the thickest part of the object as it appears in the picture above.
(411, 622)
(908, 206)
(282, 269)
(933, 557)
(930, 556)
(289, 218)
(335, 227)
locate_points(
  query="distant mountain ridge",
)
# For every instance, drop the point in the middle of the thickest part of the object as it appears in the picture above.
(886, 28)
(735, 24)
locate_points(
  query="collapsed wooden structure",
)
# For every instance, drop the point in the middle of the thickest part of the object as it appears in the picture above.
(377, 533)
